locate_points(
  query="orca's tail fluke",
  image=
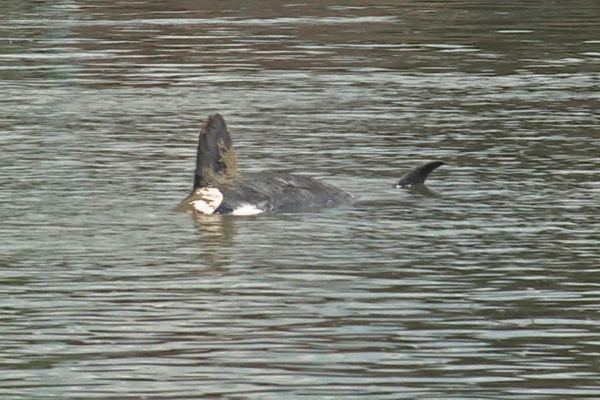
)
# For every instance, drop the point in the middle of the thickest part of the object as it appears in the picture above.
(418, 175)
(216, 163)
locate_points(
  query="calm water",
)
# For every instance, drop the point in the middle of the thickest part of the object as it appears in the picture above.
(491, 290)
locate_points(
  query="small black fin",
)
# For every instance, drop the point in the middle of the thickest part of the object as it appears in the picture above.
(216, 163)
(418, 175)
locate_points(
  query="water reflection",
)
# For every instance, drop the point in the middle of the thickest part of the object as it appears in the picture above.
(487, 291)
(424, 190)
(215, 232)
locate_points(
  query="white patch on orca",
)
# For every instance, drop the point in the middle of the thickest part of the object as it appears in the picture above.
(207, 200)
(247, 209)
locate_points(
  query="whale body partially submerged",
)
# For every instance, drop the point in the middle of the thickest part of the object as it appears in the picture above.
(220, 189)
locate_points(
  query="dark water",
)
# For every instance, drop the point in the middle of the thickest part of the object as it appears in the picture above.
(490, 290)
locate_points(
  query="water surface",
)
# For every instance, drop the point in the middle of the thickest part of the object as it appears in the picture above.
(489, 290)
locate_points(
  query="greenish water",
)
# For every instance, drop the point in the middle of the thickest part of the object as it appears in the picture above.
(490, 290)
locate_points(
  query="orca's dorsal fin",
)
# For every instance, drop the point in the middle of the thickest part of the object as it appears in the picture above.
(418, 175)
(216, 163)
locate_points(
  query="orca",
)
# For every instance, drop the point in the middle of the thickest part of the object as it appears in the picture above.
(219, 188)
(418, 175)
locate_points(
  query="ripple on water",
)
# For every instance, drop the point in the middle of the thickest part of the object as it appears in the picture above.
(486, 290)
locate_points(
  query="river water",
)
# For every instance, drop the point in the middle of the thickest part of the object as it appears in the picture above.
(488, 289)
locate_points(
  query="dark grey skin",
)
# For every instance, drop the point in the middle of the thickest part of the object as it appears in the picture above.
(216, 167)
(282, 192)
(418, 175)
